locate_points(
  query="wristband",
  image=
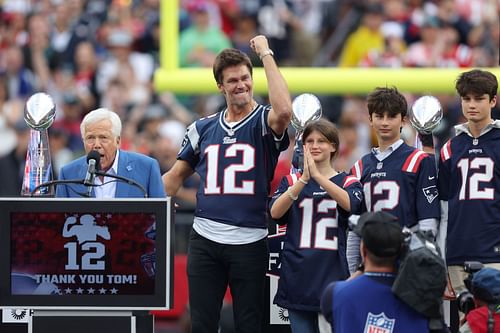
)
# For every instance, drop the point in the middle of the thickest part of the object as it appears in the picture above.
(265, 53)
(303, 181)
(291, 196)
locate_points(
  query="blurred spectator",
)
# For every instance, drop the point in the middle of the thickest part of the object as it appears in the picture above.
(69, 121)
(200, 43)
(305, 20)
(59, 151)
(136, 69)
(449, 16)
(66, 32)
(429, 51)
(85, 75)
(14, 156)
(20, 80)
(169, 141)
(273, 17)
(366, 38)
(245, 29)
(391, 55)
(455, 54)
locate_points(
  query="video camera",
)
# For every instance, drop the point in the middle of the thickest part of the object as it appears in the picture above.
(465, 298)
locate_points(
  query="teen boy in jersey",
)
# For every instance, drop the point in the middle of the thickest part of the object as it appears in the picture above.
(396, 178)
(469, 180)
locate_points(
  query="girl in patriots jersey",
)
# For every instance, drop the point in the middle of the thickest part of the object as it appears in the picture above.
(469, 180)
(396, 178)
(315, 206)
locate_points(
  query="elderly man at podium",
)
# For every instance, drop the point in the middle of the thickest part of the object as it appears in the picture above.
(107, 171)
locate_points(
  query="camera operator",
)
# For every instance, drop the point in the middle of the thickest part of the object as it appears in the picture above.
(483, 316)
(366, 303)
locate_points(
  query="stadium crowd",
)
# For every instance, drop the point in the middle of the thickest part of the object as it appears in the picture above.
(103, 53)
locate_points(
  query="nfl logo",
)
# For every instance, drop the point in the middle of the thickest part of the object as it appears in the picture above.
(378, 323)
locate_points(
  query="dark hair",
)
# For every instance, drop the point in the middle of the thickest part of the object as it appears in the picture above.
(327, 129)
(229, 58)
(388, 100)
(477, 82)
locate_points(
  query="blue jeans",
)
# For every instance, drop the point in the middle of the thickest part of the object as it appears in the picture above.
(303, 321)
(211, 268)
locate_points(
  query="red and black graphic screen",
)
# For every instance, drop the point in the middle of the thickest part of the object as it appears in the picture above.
(97, 253)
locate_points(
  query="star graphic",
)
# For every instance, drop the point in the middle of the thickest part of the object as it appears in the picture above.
(68, 290)
(114, 291)
(91, 290)
(57, 291)
(102, 291)
(79, 291)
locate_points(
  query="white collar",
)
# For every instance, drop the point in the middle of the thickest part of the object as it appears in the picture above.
(114, 168)
(391, 148)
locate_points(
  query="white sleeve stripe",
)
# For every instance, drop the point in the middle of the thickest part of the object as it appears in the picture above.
(446, 150)
(357, 170)
(193, 136)
(414, 160)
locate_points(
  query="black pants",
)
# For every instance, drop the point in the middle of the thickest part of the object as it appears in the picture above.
(211, 267)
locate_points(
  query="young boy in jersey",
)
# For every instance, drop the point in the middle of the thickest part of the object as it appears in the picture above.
(469, 180)
(315, 207)
(235, 153)
(396, 178)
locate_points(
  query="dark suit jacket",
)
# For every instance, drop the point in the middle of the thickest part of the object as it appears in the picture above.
(143, 169)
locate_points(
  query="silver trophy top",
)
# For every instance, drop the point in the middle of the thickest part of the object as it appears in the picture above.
(40, 111)
(305, 108)
(426, 113)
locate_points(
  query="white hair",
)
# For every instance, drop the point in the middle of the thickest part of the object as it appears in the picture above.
(102, 114)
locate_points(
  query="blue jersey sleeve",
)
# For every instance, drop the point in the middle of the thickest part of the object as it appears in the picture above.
(444, 173)
(426, 196)
(282, 188)
(355, 191)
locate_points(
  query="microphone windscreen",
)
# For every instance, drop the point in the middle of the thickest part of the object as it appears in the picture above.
(94, 155)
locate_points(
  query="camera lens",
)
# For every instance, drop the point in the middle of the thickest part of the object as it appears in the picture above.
(465, 301)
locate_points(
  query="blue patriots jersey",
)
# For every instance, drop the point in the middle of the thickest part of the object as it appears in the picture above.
(403, 184)
(367, 304)
(314, 251)
(469, 179)
(236, 165)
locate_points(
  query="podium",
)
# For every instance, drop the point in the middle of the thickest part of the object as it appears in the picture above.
(86, 265)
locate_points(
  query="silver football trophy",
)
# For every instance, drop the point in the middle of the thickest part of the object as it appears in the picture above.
(305, 109)
(39, 114)
(426, 113)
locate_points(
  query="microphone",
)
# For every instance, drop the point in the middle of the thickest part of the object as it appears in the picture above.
(93, 159)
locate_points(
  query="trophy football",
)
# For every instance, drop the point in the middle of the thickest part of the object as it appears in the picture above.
(305, 109)
(39, 114)
(426, 113)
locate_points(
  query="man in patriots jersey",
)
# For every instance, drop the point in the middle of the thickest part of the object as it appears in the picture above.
(234, 152)
(366, 303)
(396, 178)
(315, 206)
(469, 180)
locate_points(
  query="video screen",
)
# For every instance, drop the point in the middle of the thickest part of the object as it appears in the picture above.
(61, 253)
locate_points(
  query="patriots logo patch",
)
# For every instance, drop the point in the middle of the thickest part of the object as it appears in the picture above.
(379, 323)
(430, 193)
